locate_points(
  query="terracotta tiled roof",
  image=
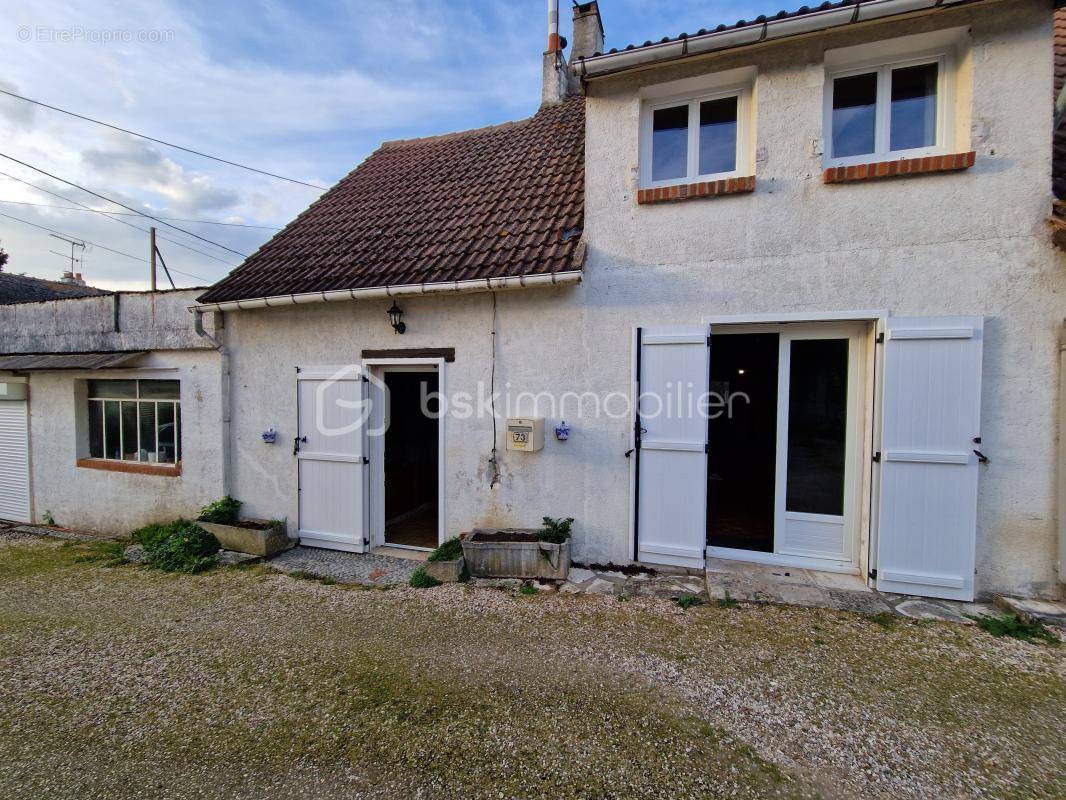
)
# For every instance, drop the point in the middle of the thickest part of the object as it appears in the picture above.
(501, 201)
(1059, 158)
(24, 289)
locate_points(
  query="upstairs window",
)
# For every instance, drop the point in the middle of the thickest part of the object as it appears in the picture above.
(890, 111)
(694, 139)
(135, 420)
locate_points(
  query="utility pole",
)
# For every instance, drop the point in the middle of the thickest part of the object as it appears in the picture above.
(151, 236)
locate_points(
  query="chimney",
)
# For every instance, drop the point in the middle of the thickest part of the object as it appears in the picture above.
(555, 75)
(588, 31)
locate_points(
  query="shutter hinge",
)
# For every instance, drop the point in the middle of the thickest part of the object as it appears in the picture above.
(366, 460)
(366, 541)
(880, 338)
(873, 574)
(365, 379)
(297, 370)
(877, 457)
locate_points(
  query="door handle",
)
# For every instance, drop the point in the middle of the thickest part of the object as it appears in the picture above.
(296, 444)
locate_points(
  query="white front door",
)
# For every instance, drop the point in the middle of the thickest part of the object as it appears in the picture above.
(930, 442)
(671, 445)
(14, 462)
(332, 458)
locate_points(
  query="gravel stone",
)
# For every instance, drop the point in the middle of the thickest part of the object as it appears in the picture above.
(361, 568)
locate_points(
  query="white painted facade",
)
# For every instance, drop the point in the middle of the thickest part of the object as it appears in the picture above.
(967, 243)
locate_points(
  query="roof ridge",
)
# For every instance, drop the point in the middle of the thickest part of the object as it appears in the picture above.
(443, 137)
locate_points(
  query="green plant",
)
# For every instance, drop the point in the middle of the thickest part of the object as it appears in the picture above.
(727, 601)
(687, 601)
(886, 619)
(528, 588)
(555, 531)
(221, 512)
(48, 519)
(1015, 627)
(451, 550)
(179, 546)
(420, 579)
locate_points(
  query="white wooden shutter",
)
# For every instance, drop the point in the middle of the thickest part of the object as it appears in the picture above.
(671, 514)
(930, 421)
(14, 462)
(332, 458)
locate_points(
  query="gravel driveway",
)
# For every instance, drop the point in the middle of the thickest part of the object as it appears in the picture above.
(122, 682)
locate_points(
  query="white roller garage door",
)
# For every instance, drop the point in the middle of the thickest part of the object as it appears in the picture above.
(14, 462)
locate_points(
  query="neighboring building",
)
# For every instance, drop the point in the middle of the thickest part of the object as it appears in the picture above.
(699, 220)
(24, 289)
(112, 411)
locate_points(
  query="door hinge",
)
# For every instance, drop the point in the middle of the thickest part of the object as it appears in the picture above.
(877, 457)
(707, 447)
(708, 340)
(880, 338)
(365, 379)
(366, 541)
(297, 369)
(366, 460)
(873, 574)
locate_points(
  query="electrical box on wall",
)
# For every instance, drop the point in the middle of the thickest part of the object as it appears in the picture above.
(525, 434)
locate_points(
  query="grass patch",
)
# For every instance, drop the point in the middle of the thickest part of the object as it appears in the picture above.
(884, 619)
(528, 589)
(420, 579)
(687, 601)
(107, 552)
(179, 546)
(1016, 628)
(726, 602)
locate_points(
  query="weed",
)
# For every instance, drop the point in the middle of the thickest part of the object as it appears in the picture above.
(48, 519)
(179, 546)
(420, 579)
(886, 619)
(328, 581)
(687, 601)
(727, 601)
(555, 531)
(528, 588)
(108, 552)
(222, 512)
(451, 550)
(1012, 625)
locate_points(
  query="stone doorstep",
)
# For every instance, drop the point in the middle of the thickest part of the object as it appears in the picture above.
(1044, 611)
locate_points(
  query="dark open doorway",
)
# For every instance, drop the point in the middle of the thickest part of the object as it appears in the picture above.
(411, 460)
(743, 442)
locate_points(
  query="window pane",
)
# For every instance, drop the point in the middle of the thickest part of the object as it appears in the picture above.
(146, 421)
(669, 144)
(914, 107)
(96, 429)
(854, 115)
(159, 390)
(718, 136)
(167, 430)
(817, 424)
(111, 430)
(119, 389)
(129, 432)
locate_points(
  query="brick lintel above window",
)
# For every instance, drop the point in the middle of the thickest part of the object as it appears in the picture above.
(691, 191)
(899, 168)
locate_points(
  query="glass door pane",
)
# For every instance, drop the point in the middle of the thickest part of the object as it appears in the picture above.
(817, 426)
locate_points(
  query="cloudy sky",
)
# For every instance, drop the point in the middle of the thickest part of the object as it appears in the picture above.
(300, 89)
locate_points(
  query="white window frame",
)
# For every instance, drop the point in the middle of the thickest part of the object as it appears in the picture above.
(743, 155)
(945, 105)
(96, 405)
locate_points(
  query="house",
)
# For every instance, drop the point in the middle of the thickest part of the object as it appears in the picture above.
(25, 289)
(112, 411)
(781, 292)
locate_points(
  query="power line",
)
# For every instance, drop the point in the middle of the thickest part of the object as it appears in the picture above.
(111, 216)
(160, 141)
(131, 214)
(96, 244)
(123, 205)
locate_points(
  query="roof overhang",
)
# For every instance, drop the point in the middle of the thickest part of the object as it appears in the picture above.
(29, 362)
(754, 33)
(404, 290)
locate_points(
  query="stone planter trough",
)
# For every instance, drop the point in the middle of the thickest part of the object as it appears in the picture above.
(445, 571)
(515, 553)
(258, 537)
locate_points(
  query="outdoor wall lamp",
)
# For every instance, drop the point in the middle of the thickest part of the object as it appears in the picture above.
(396, 318)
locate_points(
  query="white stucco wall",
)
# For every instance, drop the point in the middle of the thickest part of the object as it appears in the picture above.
(965, 243)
